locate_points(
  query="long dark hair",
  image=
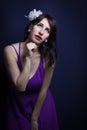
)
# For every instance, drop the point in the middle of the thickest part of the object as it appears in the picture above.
(47, 50)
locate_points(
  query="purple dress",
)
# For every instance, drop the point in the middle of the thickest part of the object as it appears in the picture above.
(21, 104)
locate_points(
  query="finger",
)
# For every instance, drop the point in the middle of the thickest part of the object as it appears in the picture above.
(31, 46)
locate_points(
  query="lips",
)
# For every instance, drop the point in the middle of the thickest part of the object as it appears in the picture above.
(37, 37)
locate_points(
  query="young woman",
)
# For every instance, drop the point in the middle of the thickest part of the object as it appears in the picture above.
(30, 65)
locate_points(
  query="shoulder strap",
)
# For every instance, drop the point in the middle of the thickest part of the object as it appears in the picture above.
(19, 48)
(15, 49)
(18, 53)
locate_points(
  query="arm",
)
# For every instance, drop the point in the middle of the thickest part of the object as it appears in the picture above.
(18, 78)
(42, 95)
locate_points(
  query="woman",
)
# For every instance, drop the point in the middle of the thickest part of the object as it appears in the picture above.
(30, 65)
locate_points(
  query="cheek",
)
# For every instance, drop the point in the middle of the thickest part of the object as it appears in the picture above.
(46, 36)
(35, 29)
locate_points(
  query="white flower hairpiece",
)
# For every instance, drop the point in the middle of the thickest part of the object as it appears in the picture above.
(33, 14)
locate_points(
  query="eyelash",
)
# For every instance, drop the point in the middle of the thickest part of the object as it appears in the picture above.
(39, 25)
(47, 30)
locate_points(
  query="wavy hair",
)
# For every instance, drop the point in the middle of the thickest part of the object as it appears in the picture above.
(47, 50)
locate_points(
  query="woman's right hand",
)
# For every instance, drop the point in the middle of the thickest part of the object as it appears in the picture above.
(31, 47)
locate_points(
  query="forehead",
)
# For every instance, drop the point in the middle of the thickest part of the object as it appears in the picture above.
(45, 22)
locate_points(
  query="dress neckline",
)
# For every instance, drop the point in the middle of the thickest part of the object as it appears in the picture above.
(22, 66)
(36, 70)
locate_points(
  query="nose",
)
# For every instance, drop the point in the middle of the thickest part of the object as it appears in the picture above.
(41, 32)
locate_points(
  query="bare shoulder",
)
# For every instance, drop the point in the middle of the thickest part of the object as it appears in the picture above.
(8, 51)
(9, 47)
(16, 45)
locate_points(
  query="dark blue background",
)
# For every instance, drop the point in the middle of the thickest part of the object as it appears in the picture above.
(69, 80)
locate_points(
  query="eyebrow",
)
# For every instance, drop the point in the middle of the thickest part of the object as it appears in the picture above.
(49, 29)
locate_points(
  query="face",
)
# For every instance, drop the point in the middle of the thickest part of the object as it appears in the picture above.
(40, 32)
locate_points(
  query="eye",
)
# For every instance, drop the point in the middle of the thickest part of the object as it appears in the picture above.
(47, 30)
(39, 25)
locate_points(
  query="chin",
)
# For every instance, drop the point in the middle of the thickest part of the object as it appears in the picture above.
(37, 42)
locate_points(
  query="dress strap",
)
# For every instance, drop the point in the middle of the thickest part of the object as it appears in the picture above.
(19, 48)
(15, 49)
(18, 53)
